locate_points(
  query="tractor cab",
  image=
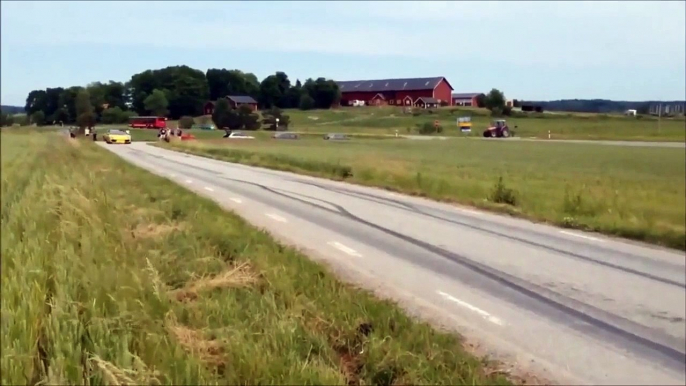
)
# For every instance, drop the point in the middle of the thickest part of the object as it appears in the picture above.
(498, 129)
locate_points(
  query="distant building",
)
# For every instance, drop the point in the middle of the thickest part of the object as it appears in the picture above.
(465, 99)
(235, 101)
(667, 109)
(396, 92)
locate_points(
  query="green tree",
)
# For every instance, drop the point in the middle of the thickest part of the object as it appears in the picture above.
(38, 118)
(270, 117)
(481, 100)
(294, 94)
(306, 102)
(156, 103)
(68, 101)
(85, 115)
(186, 122)
(325, 92)
(115, 115)
(37, 100)
(226, 117)
(495, 99)
(223, 82)
(6, 119)
(249, 120)
(186, 90)
(21, 119)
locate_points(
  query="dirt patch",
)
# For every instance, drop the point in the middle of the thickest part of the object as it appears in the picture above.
(209, 351)
(153, 231)
(349, 346)
(240, 276)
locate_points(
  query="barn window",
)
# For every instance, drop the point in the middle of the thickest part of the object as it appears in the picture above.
(390, 102)
(397, 102)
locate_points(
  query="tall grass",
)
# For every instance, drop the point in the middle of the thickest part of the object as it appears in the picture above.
(111, 275)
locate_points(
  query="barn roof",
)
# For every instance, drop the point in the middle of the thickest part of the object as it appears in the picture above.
(465, 95)
(428, 100)
(241, 98)
(379, 85)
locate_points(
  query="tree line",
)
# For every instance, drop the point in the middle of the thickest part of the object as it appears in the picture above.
(174, 92)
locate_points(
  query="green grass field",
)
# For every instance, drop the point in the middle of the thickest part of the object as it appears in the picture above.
(388, 120)
(111, 275)
(632, 192)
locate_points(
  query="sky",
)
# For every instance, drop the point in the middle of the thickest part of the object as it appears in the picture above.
(624, 50)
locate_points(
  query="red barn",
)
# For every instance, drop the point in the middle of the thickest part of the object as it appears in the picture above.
(234, 101)
(396, 92)
(465, 99)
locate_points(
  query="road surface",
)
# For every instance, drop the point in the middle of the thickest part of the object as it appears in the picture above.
(572, 307)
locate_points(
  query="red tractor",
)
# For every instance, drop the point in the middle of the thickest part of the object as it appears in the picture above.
(499, 129)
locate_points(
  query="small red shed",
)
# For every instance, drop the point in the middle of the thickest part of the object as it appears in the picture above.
(235, 101)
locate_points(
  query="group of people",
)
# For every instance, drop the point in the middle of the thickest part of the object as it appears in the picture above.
(165, 133)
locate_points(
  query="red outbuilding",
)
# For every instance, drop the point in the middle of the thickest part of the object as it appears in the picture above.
(396, 92)
(235, 101)
(465, 99)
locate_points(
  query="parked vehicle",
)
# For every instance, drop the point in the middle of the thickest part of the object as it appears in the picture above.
(335, 137)
(239, 135)
(151, 122)
(285, 136)
(499, 129)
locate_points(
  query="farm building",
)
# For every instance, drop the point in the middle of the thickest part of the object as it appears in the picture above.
(400, 92)
(465, 99)
(234, 101)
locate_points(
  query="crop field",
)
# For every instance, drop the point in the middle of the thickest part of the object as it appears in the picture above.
(633, 192)
(388, 120)
(111, 275)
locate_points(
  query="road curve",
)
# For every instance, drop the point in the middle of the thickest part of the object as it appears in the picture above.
(573, 307)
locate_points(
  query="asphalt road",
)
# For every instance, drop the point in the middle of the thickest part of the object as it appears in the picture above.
(573, 307)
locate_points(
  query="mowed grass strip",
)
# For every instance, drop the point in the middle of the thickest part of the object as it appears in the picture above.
(111, 275)
(388, 120)
(632, 192)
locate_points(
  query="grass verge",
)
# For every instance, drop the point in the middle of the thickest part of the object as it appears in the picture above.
(636, 193)
(111, 275)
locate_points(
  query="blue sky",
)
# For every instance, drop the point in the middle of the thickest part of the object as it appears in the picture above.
(530, 50)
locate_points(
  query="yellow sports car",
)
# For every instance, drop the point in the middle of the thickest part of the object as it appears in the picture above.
(117, 136)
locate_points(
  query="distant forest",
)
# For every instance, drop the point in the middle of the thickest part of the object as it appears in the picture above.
(12, 109)
(598, 105)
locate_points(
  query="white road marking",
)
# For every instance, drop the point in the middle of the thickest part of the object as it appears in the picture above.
(470, 307)
(209, 189)
(580, 235)
(236, 200)
(276, 217)
(469, 211)
(189, 181)
(345, 249)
